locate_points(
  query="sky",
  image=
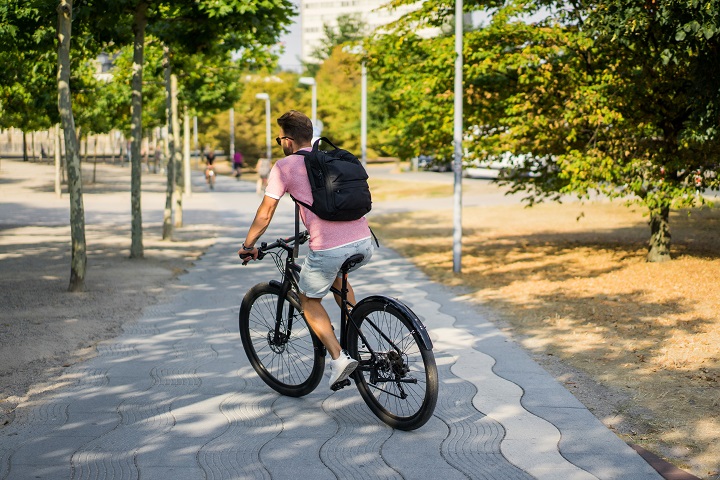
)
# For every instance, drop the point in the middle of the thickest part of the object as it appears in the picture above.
(290, 60)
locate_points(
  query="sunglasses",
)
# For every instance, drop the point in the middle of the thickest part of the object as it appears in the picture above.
(279, 139)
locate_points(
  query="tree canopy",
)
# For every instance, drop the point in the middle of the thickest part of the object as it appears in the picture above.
(612, 97)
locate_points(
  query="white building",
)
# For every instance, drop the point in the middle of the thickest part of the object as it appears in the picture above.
(314, 14)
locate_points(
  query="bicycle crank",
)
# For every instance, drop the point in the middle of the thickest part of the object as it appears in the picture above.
(339, 385)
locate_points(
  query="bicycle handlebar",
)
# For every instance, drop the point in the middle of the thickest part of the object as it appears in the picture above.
(285, 243)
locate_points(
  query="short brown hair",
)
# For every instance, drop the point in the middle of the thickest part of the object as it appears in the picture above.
(296, 125)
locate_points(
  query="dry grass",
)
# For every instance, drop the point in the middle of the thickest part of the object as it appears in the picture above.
(571, 281)
(384, 190)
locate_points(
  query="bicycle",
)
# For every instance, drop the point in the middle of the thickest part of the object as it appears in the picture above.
(396, 374)
(210, 176)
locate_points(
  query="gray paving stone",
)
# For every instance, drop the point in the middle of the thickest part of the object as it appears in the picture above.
(175, 397)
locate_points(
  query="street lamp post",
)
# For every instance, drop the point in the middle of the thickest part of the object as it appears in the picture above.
(232, 133)
(268, 144)
(311, 81)
(363, 115)
(358, 50)
(457, 139)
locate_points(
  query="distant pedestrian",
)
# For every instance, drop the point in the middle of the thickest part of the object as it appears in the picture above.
(237, 164)
(264, 166)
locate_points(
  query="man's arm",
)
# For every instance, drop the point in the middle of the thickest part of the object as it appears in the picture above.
(263, 216)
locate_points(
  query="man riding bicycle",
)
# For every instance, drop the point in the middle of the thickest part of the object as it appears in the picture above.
(210, 167)
(331, 242)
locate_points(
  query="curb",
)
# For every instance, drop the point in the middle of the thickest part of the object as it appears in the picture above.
(663, 467)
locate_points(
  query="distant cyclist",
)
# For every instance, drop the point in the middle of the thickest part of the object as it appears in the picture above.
(210, 168)
(331, 242)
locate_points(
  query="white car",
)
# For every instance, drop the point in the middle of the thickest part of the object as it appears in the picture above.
(492, 167)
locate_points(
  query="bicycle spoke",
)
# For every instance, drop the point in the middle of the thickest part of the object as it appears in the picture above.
(394, 371)
(287, 360)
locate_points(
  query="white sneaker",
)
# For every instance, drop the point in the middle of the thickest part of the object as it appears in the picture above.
(341, 368)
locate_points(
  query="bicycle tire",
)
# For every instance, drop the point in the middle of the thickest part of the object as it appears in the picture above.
(292, 366)
(415, 362)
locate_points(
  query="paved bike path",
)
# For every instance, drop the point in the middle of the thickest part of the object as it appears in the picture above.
(175, 397)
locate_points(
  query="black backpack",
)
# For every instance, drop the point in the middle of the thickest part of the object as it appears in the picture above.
(338, 182)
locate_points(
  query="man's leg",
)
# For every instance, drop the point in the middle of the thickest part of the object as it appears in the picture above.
(350, 294)
(319, 321)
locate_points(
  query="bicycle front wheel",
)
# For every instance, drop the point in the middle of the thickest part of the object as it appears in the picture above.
(283, 351)
(397, 374)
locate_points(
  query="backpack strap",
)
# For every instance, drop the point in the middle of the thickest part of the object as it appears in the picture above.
(296, 247)
(374, 237)
(326, 140)
(309, 207)
(310, 159)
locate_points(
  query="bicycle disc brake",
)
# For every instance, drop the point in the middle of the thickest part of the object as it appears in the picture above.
(277, 346)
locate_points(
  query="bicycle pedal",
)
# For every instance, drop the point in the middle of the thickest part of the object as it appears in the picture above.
(339, 385)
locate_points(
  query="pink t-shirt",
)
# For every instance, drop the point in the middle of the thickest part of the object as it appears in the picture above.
(290, 176)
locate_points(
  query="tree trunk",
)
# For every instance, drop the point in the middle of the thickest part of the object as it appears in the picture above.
(186, 153)
(25, 154)
(176, 151)
(659, 250)
(167, 214)
(95, 159)
(112, 147)
(139, 24)
(77, 210)
(58, 157)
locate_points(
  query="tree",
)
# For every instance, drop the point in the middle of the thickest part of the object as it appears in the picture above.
(250, 139)
(338, 76)
(215, 29)
(28, 78)
(77, 211)
(667, 69)
(28, 31)
(187, 26)
(338, 79)
(140, 20)
(348, 29)
(606, 97)
(193, 25)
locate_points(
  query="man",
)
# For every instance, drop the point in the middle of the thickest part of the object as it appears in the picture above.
(210, 168)
(331, 243)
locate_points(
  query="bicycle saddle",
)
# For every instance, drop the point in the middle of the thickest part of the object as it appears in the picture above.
(351, 262)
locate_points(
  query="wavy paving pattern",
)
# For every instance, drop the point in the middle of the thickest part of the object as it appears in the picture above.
(235, 453)
(174, 397)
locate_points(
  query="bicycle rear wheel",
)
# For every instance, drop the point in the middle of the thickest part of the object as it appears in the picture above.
(399, 383)
(291, 360)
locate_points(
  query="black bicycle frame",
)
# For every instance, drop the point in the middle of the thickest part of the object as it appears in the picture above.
(285, 288)
(290, 278)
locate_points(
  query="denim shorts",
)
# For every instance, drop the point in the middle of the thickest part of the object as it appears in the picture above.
(322, 267)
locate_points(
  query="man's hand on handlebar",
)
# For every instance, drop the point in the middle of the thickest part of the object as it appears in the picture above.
(247, 255)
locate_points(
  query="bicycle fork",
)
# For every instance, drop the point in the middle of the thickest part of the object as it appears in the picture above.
(280, 335)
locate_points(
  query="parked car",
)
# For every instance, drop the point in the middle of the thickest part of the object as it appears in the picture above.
(498, 165)
(432, 163)
(492, 167)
